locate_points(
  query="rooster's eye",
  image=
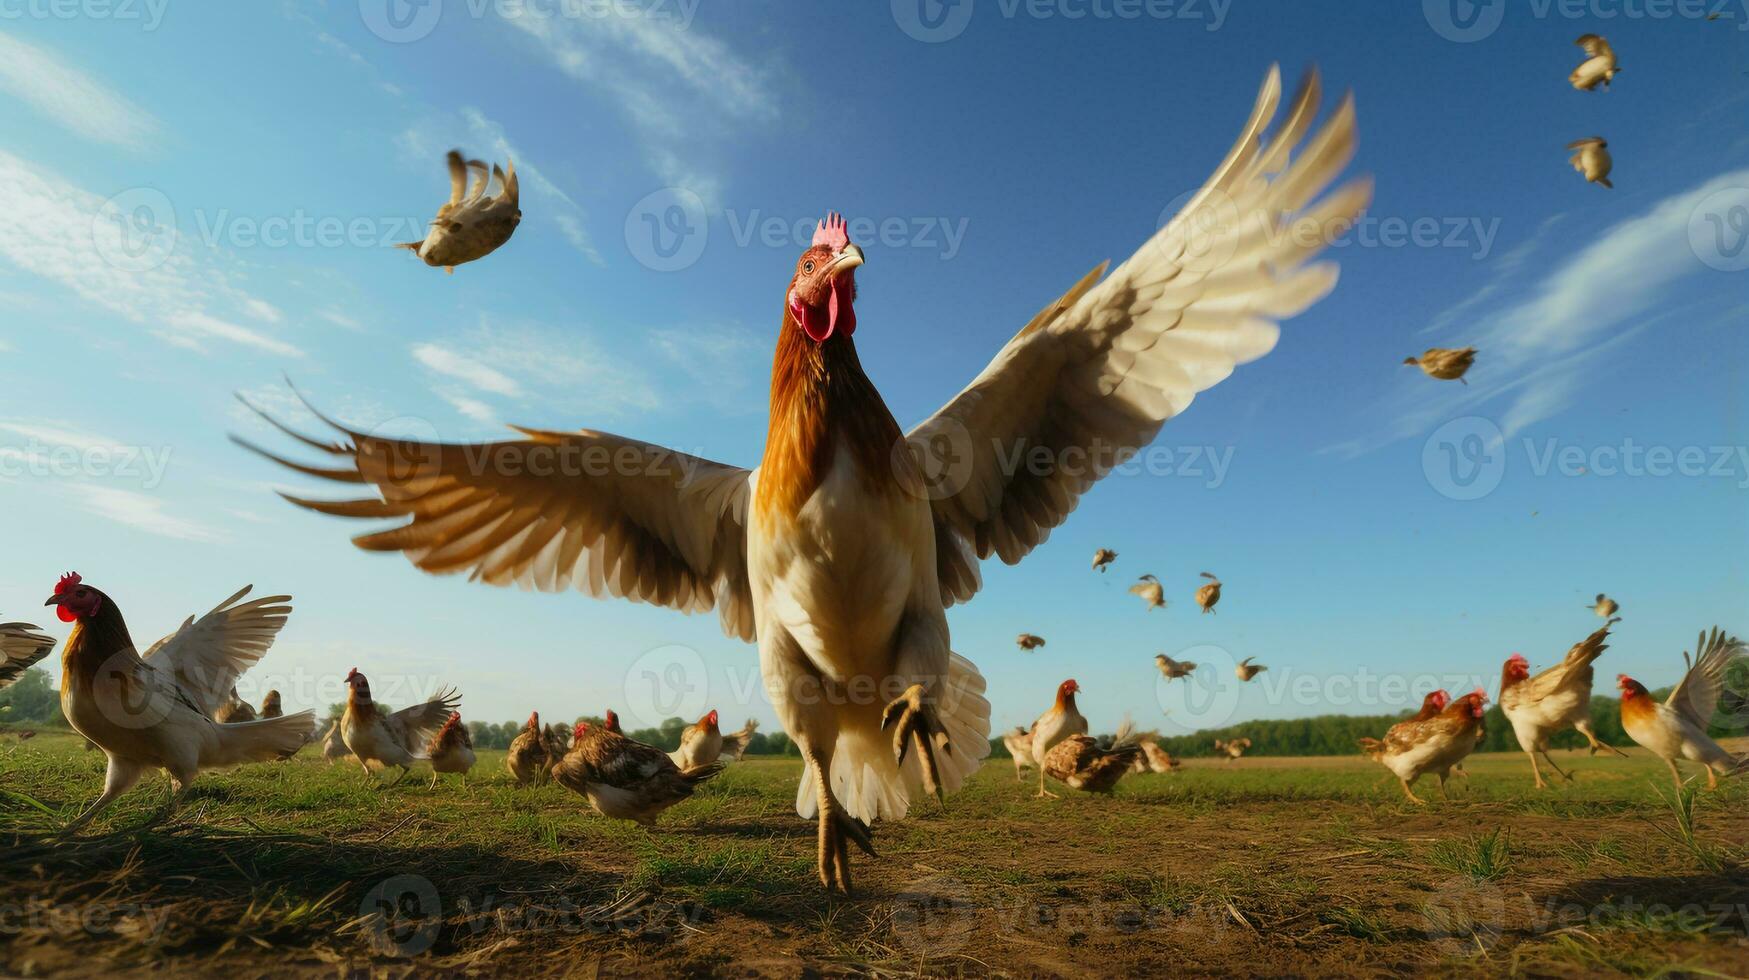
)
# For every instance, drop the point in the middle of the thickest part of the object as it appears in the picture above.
(808, 266)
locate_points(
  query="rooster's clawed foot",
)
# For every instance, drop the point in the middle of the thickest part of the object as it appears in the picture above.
(912, 720)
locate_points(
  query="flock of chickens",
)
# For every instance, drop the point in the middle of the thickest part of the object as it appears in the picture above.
(837, 555)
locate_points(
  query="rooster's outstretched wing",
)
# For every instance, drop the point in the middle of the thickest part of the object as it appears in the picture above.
(588, 510)
(1095, 374)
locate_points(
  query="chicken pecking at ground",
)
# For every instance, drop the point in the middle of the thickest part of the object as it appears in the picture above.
(374, 734)
(702, 742)
(1552, 701)
(1412, 749)
(1019, 745)
(1061, 721)
(451, 749)
(470, 227)
(21, 647)
(841, 552)
(623, 778)
(1677, 728)
(529, 758)
(156, 711)
(1079, 763)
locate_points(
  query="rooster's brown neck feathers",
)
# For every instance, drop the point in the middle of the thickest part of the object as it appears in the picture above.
(92, 642)
(820, 401)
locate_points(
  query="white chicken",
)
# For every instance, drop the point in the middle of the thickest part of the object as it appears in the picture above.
(1556, 699)
(703, 742)
(373, 734)
(1599, 66)
(1677, 728)
(1061, 721)
(1019, 745)
(840, 554)
(1591, 158)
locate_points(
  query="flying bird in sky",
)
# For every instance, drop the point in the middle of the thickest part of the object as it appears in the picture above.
(1604, 606)
(1591, 158)
(471, 227)
(1445, 363)
(840, 553)
(1599, 66)
(1173, 669)
(1029, 642)
(1153, 596)
(1245, 669)
(1209, 594)
(1103, 557)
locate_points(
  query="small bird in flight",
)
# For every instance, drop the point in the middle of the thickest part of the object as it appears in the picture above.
(1102, 558)
(1591, 158)
(1148, 587)
(1208, 595)
(1245, 669)
(1599, 66)
(1605, 607)
(1173, 669)
(471, 227)
(1445, 363)
(1027, 641)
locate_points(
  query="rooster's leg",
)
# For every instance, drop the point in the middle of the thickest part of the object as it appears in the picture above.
(433, 780)
(120, 778)
(1537, 771)
(837, 829)
(1712, 778)
(1563, 773)
(1410, 793)
(1675, 773)
(1596, 743)
(913, 721)
(1042, 792)
(179, 787)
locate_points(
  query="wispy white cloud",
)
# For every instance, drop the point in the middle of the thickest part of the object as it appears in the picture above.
(69, 97)
(140, 511)
(1538, 351)
(466, 369)
(672, 82)
(533, 367)
(73, 237)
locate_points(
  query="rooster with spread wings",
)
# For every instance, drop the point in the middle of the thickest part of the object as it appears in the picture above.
(840, 553)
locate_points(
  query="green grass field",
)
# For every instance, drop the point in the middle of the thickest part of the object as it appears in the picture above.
(1271, 865)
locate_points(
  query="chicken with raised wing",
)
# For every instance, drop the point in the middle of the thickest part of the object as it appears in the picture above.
(1233, 749)
(390, 738)
(1154, 758)
(451, 749)
(1245, 669)
(1210, 594)
(1153, 596)
(1599, 66)
(472, 223)
(1019, 745)
(840, 554)
(1173, 669)
(626, 779)
(1677, 728)
(22, 646)
(1412, 749)
(1103, 557)
(1029, 642)
(1553, 701)
(703, 743)
(1591, 158)
(156, 711)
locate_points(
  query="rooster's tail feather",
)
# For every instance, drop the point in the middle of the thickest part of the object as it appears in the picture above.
(262, 740)
(1372, 747)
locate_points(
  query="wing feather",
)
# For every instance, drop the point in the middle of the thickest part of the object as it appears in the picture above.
(1093, 376)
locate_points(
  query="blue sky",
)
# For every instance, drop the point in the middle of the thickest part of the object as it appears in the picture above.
(198, 197)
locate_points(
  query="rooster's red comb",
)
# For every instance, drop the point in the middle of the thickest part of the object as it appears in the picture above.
(351, 674)
(832, 232)
(582, 727)
(67, 582)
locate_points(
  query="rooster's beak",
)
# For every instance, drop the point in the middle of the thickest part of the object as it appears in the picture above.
(54, 600)
(846, 260)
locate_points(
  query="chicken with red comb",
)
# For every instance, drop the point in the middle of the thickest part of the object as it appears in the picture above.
(528, 759)
(158, 711)
(451, 749)
(1062, 720)
(1677, 727)
(1553, 701)
(840, 553)
(703, 742)
(624, 778)
(373, 733)
(1437, 744)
